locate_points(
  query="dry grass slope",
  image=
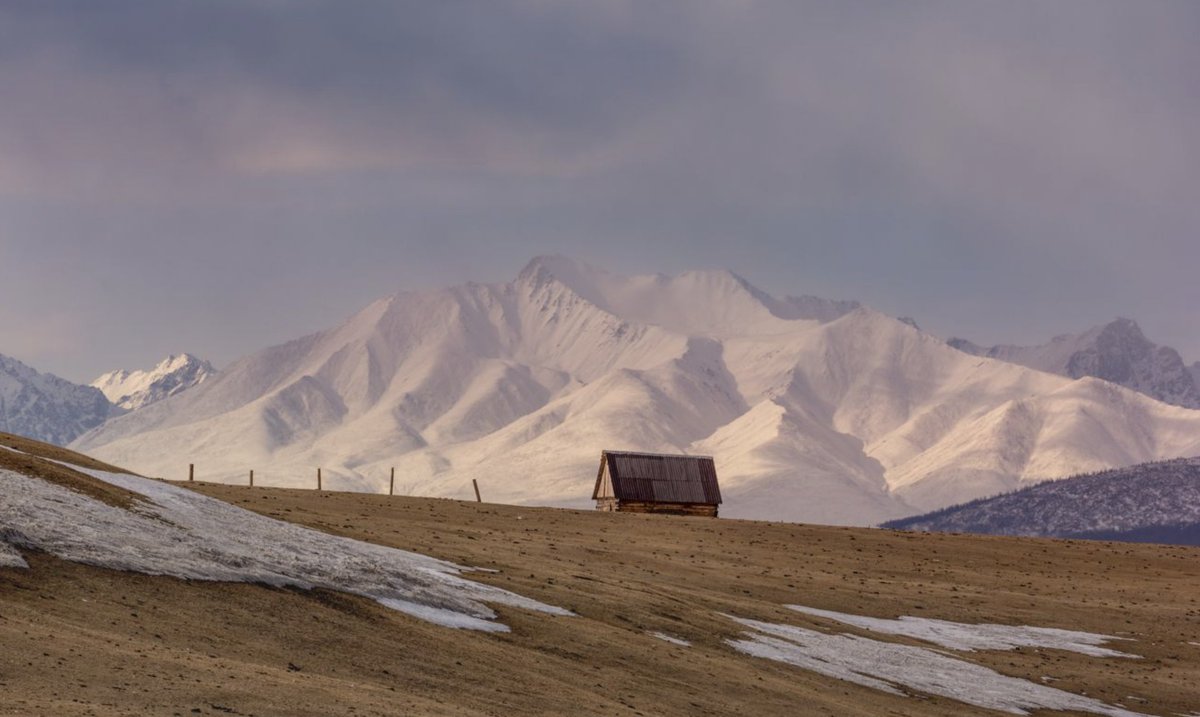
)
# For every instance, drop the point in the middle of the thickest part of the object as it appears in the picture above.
(85, 641)
(44, 460)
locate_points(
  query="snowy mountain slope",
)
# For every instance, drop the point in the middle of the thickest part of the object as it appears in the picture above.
(814, 410)
(1152, 501)
(134, 389)
(373, 388)
(46, 407)
(1117, 351)
(758, 456)
(1086, 425)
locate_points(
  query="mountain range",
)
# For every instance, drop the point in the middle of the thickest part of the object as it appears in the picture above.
(815, 410)
(45, 407)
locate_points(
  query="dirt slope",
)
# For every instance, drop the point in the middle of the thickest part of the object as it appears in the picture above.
(45, 461)
(80, 640)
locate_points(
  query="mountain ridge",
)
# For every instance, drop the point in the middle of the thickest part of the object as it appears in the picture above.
(1149, 502)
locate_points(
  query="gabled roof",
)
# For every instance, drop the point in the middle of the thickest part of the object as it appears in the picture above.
(658, 478)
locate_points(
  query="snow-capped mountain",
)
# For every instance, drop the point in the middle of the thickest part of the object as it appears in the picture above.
(1117, 351)
(134, 389)
(46, 407)
(836, 415)
(1153, 502)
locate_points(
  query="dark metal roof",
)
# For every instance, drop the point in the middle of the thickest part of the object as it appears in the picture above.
(658, 478)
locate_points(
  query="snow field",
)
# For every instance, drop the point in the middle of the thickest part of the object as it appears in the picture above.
(888, 667)
(10, 558)
(968, 638)
(186, 535)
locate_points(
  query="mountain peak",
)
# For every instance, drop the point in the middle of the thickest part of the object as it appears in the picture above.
(694, 302)
(135, 389)
(577, 276)
(646, 297)
(1121, 321)
(1120, 326)
(1117, 352)
(175, 362)
(557, 266)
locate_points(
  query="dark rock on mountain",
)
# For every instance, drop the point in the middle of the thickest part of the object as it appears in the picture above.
(1117, 352)
(46, 407)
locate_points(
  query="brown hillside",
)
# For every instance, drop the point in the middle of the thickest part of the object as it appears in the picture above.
(81, 640)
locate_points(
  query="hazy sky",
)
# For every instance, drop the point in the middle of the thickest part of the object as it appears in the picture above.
(215, 177)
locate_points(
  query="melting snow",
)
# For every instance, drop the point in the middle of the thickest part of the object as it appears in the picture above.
(959, 636)
(888, 666)
(10, 558)
(187, 535)
(670, 638)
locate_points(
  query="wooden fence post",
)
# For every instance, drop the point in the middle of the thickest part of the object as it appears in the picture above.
(392, 482)
(318, 479)
(251, 477)
(476, 484)
(191, 471)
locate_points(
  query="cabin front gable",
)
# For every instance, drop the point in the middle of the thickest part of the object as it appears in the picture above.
(603, 493)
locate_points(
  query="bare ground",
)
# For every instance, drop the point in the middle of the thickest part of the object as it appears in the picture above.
(77, 640)
(45, 461)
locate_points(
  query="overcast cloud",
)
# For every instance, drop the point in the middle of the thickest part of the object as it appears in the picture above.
(218, 176)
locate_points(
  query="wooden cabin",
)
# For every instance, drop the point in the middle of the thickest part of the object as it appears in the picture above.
(656, 483)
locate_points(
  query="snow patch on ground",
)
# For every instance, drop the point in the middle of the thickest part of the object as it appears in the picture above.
(967, 638)
(186, 535)
(887, 667)
(670, 638)
(10, 558)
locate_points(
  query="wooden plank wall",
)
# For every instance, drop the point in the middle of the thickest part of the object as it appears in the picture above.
(627, 506)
